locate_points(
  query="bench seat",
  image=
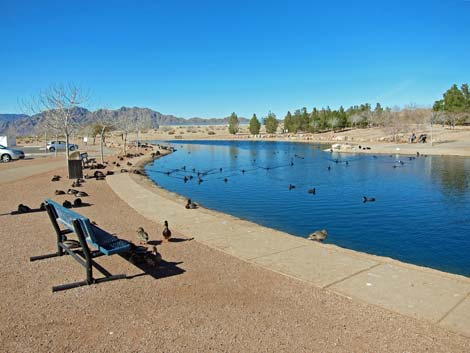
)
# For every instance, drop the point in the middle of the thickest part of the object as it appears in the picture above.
(105, 242)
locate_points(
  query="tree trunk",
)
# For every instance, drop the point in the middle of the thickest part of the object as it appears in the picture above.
(125, 142)
(101, 144)
(67, 151)
(138, 142)
(55, 149)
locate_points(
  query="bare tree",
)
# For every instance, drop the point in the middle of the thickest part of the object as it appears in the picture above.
(60, 106)
(126, 125)
(103, 124)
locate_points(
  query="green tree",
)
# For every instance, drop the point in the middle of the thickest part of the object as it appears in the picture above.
(255, 125)
(233, 124)
(271, 123)
(288, 122)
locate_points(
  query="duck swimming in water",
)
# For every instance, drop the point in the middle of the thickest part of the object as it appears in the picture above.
(312, 191)
(291, 186)
(368, 199)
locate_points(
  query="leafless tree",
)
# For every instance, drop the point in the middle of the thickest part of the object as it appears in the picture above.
(126, 125)
(103, 124)
(60, 106)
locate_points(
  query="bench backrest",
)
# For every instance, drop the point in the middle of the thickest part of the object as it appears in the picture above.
(108, 244)
(65, 215)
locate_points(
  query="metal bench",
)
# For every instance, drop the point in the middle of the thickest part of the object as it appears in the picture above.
(86, 161)
(87, 233)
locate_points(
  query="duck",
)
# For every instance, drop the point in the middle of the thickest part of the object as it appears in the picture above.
(291, 186)
(368, 199)
(77, 202)
(319, 235)
(225, 180)
(142, 235)
(156, 256)
(166, 232)
(190, 205)
(67, 204)
(23, 208)
(60, 192)
(312, 191)
(185, 179)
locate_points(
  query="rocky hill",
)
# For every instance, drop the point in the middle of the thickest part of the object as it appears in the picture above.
(22, 125)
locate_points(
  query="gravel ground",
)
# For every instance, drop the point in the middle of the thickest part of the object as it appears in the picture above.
(202, 300)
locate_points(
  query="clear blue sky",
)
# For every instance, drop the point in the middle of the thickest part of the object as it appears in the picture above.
(209, 58)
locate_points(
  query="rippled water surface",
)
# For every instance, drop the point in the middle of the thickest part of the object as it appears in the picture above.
(421, 214)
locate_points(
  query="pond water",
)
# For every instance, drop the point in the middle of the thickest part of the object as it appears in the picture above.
(421, 212)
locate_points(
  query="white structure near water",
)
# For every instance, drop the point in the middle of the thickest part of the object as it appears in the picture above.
(8, 141)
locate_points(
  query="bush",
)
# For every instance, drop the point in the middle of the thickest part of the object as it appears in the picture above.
(211, 133)
(172, 132)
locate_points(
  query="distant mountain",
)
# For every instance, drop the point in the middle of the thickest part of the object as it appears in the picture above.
(28, 125)
(11, 117)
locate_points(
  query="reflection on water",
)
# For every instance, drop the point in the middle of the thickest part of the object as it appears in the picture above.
(453, 173)
(421, 212)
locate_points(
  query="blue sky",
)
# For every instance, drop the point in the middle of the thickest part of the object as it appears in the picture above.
(209, 58)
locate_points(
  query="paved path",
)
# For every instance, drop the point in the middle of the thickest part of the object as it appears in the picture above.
(441, 298)
(17, 173)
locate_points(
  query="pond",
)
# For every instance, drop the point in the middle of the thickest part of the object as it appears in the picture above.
(421, 212)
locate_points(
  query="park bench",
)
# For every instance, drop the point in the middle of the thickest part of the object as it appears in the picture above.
(88, 234)
(86, 161)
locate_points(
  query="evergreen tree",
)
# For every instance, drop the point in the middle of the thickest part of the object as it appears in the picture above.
(255, 125)
(271, 123)
(233, 124)
(288, 122)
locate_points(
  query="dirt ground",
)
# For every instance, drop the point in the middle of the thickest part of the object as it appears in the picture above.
(199, 300)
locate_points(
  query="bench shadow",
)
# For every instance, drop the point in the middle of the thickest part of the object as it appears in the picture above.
(162, 270)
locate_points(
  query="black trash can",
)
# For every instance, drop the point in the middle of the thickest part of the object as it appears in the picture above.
(75, 166)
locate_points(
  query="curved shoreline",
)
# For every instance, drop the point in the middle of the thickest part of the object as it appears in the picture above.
(425, 293)
(152, 186)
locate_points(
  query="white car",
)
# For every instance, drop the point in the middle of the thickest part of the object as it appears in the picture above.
(7, 154)
(52, 146)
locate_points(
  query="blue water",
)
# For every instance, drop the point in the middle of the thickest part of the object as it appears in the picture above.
(421, 214)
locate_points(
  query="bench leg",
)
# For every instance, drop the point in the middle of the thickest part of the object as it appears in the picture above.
(41, 257)
(85, 283)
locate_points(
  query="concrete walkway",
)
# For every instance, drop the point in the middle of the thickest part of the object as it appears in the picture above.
(438, 297)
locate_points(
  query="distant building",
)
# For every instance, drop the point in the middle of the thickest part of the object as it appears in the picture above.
(8, 141)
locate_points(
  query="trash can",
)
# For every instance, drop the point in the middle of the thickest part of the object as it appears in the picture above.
(75, 165)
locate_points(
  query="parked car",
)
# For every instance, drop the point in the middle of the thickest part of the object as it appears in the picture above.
(52, 146)
(7, 154)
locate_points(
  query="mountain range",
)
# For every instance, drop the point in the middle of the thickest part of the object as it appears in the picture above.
(21, 124)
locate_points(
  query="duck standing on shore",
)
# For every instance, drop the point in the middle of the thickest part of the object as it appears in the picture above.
(319, 235)
(166, 232)
(190, 205)
(142, 235)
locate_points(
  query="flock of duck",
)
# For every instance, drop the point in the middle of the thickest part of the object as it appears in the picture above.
(194, 174)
